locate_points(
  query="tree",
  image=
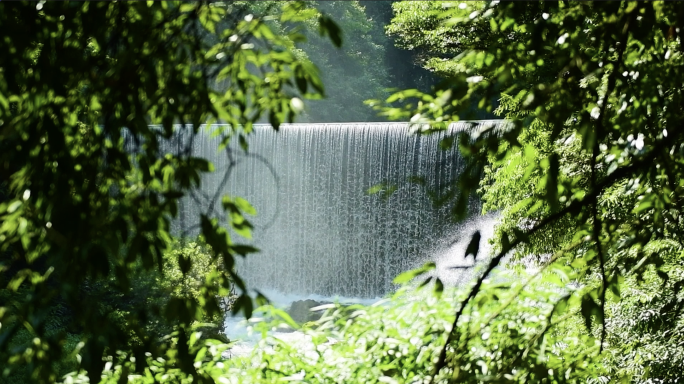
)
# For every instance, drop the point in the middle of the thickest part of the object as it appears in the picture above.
(588, 172)
(82, 212)
(404, 71)
(354, 73)
(351, 74)
(419, 27)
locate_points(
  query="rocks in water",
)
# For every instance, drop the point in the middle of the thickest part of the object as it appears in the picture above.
(300, 311)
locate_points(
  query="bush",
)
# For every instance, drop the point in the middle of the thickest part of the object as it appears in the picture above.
(399, 339)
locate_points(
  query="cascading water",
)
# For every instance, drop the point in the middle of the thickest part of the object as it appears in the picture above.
(318, 229)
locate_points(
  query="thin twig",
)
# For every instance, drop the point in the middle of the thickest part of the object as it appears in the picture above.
(597, 226)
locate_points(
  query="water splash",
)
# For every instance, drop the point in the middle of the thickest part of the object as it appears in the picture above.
(452, 265)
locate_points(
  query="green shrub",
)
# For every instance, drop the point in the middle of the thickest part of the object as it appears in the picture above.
(399, 339)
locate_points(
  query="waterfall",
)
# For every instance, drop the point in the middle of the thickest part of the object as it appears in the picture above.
(318, 229)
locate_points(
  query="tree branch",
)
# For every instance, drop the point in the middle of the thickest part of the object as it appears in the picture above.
(597, 226)
(573, 206)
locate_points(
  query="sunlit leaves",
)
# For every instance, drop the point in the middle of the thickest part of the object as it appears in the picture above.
(593, 91)
(236, 207)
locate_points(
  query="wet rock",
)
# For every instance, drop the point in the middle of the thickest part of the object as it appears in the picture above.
(300, 311)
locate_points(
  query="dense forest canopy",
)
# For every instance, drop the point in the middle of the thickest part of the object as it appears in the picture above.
(367, 66)
(588, 175)
(586, 282)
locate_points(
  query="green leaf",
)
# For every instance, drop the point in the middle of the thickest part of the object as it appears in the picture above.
(412, 274)
(561, 306)
(243, 142)
(474, 245)
(244, 250)
(328, 27)
(14, 206)
(245, 206)
(614, 283)
(185, 263)
(243, 228)
(552, 182)
(375, 189)
(243, 303)
(590, 310)
(663, 275)
(300, 79)
(439, 287)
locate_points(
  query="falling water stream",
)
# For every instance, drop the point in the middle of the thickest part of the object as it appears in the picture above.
(319, 231)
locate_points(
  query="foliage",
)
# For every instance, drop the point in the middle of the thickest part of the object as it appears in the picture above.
(184, 278)
(186, 265)
(417, 26)
(405, 72)
(587, 172)
(397, 340)
(352, 73)
(645, 328)
(148, 288)
(85, 214)
(436, 45)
